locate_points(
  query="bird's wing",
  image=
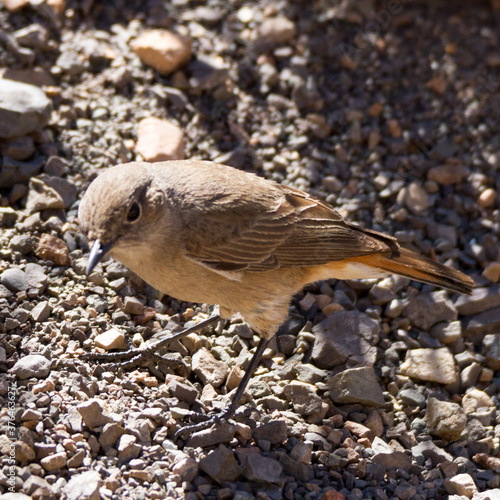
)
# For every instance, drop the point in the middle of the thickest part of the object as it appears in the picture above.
(295, 230)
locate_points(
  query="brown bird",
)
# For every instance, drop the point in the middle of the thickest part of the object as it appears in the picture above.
(204, 232)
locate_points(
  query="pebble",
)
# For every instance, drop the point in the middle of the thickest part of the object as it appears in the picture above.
(23, 108)
(55, 461)
(388, 457)
(448, 174)
(444, 419)
(411, 397)
(221, 465)
(491, 350)
(84, 486)
(15, 172)
(492, 272)
(109, 435)
(222, 433)
(128, 448)
(111, 339)
(159, 140)
(428, 450)
(19, 148)
(66, 189)
(14, 279)
(480, 300)
(41, 311)
(208, 369)
(356, 385)
(42, 197)
(304, 397)
(32, 366)
(93, 413)
(461, 484)
(475, 399)
(258, 468)
(478, 325)
(415, 198)
(52, 248)
(437, 306)
(276, 432)
(345, 335)
(434, 365)
(488, 198)
(163, 50)
(22, 243)
(276, 30)
(447, 333)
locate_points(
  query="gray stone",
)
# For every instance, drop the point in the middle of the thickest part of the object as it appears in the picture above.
(128, 448)
(22, 243)
(356, 385)
(427, 309)
(481, 299)
(110, 435)
(309, 373)
(14, 279)
(298, 470)
(221, 465)
(474, 327)
(411, 397)
(33, 365)
(444, 419)
(261, 469)
(19, 172)
(182, 391)
(447, 333)
(66, 189)
(303, 397)
(84, 486)
(42, 197)
(345, 336)
(427, 449)
(491, 350)
(276, 432)
(23, 108)
(388, 457)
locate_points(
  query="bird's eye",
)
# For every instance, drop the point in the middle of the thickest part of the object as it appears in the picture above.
(134, 212)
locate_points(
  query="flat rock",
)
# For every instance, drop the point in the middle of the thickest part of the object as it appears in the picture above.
(261, 469)
(221, 465)
(159, 140)
(356, 385)
(66, 189)
(480, 300)
(448, 174)
(163, 50)
(23, 108)
(478, 325)
(433, 365)
(427, 309)
(84, 486)
(208, 369)
(343, 336)
(32, 365)
(217, 434)
(444, 419)
(428, 449)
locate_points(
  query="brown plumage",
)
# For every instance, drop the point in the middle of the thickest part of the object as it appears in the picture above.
(205, 232)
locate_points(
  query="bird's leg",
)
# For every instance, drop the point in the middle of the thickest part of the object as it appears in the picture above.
(133, 357)
(231, 407)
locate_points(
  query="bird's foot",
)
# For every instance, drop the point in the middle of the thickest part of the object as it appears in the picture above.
(208, 420)
(148, 352)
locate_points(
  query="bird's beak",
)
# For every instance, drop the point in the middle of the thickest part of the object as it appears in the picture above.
(96, 254)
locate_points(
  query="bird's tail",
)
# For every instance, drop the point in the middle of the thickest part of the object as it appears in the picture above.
(419, 268)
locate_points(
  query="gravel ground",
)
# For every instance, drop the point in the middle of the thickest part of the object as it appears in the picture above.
(381, 390)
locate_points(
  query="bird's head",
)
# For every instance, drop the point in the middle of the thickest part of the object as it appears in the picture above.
(119, 210)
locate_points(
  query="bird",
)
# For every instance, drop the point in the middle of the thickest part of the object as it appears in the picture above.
(208, 233)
